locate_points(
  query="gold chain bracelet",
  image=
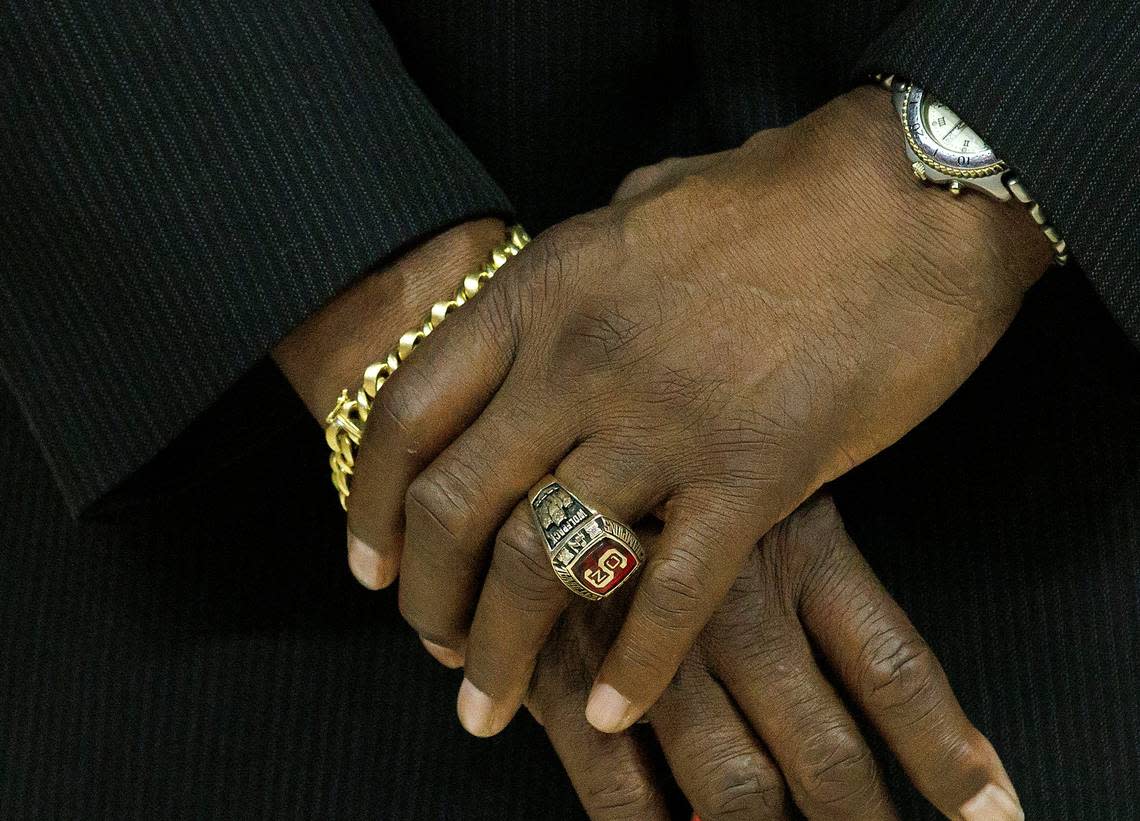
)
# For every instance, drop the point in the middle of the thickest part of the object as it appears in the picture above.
(344, 426)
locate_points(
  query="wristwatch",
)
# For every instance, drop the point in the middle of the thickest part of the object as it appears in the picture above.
(944, 151)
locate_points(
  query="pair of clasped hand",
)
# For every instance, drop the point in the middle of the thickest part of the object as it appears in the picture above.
(701, 357)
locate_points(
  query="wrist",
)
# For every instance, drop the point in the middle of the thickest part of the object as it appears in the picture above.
(331, 349)
(982, 243)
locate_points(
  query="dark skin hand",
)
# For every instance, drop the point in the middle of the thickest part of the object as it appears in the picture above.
(733, 333)
(755, 722)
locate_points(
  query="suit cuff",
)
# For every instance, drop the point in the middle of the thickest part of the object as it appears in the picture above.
(186, 188)
(1055, 89)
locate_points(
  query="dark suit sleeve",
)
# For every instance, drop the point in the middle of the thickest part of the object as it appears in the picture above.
(180, 185)
(1054, 87)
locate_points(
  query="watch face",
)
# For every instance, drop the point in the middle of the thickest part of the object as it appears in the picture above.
(942, 138)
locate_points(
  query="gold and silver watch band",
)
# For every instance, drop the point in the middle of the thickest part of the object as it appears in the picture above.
(1060, 248)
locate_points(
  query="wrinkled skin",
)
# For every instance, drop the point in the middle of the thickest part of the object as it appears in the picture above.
(752, 724)
(731, 334)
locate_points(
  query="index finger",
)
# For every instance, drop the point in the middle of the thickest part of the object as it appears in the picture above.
(428, 401)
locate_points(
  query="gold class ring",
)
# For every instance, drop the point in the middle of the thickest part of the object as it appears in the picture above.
(592, 554)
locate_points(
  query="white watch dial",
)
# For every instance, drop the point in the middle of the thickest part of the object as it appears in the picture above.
(950, 131)
(943, 140)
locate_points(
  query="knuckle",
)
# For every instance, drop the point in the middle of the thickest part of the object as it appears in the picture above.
(647, 177)
(639, 178)
(837, 772)
(967, 751)
(615, 796)
(772, 654)
(818, 516)
(758, 638)
(810, 551)
(741, 785)
(440, 500)
(673, 592)
(569, 237)
(814, 529)
(400, 405)
(597, 333)
(900, 670)
(645, 655)
(555, 258)
(522, 568)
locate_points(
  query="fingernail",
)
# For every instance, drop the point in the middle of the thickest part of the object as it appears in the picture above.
(476, 710)
(608, 710)
(444, 655)
(992, 803)
(370, 568)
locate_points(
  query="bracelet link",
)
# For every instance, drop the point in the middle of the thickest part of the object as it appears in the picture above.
(346, 422)
(1037, 213)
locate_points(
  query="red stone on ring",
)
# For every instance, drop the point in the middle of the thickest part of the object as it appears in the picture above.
(604, 566)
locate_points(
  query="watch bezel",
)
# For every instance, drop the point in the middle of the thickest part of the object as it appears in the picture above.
(927, 150)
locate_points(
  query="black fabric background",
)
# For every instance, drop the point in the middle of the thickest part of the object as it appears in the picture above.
(195, 647)
(183, 184)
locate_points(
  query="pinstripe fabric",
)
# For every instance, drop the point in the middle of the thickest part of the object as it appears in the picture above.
(183, 183)
(235, 672)
(1054, 85)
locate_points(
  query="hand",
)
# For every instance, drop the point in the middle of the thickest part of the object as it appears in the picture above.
(715, 348)
(752, 724)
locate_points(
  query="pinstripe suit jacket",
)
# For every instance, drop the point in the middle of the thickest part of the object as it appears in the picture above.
(183, 183)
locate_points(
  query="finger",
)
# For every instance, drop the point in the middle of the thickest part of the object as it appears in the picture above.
(500, 650)
(455, 506)
(765, 661)
(522, 597)
(717, 760)
(447, 380)
(897, 681)
(614, 774)
(693, 565)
